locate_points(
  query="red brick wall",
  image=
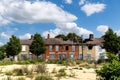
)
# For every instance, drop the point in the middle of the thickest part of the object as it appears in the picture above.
(62, 49)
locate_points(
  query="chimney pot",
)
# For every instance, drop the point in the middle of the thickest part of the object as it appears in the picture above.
(91, 36)
(48, 37)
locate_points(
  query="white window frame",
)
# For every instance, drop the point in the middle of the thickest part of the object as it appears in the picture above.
(56, 48)
(23, 48)
(50, 47)
(73, 47)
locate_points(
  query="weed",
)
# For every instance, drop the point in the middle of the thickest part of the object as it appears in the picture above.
(61, 73)
(43, 78)
(41, 68)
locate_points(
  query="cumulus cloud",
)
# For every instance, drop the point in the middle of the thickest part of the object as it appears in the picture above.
(102, 28)
(3, 21)
(24, 11)
(117, 32)
(81, 2)
(4, 35)
(68, 1)
(25, 36)
(91, 8)
(65, 28)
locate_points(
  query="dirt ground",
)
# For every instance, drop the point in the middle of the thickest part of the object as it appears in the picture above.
(73, 72)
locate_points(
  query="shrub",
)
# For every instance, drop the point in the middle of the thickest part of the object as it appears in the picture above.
(43, 78)
(21, 78)
(26, 71)
(54, 70)
(41, 68)
(6, 62)
(18, 72)
(9, 73)
(2, 56)
(61, 73)
(110, 70)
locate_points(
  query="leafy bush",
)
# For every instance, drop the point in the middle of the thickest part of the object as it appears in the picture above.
(43, 78)
(61, 73)
(110, 70)
(6, 62)
(18, 72)
(2, 56)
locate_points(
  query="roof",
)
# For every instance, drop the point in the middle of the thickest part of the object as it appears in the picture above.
(26, 42)
(57, 41)
(48, 41)
(94, 41)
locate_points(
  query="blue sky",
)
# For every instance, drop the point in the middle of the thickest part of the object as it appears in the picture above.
(26, 17)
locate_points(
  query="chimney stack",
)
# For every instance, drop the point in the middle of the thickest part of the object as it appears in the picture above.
(48, 37)
(91, 36)
(32, 37)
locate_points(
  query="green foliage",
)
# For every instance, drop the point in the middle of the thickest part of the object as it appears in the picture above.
(71, 36)
(43, 78)
(61, 73)
(112, 56)
(13, 46)
(18, 72)
(61, 36)
(110, 70)
(2, 56)
(3, 63)
(112, 42)
(3, 48)
(37, 46)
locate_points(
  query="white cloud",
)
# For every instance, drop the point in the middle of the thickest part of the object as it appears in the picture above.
(25, 36)
(4, 35)
(24, 11)
(65, 28)
(102, 28)
(91, 8)
(68, 1)
(3, 21)
(52, 33)
(82, 2)
(117, 32)
(1, 44)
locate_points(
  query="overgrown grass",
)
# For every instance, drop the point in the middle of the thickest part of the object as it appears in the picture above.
(61, 73)
(43, 78)
(21, 62)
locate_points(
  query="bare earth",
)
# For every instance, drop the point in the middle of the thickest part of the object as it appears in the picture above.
(84, 74)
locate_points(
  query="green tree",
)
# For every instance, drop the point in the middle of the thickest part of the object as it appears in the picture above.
(112, 42)
(61, 36)
(74, 37)
(13, 47)
(3, 48)
(70, 36)
(2, 52)
(110, 70)
(2, 55)
(37, 46)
